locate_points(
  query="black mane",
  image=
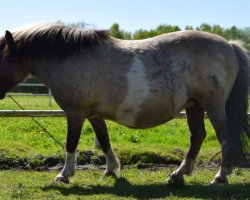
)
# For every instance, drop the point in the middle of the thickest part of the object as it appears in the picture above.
(56, 41)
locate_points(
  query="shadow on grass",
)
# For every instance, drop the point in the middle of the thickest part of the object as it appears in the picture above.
(124, 188)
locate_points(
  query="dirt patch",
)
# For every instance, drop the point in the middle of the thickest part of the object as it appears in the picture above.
(84, 158)
(90, 160)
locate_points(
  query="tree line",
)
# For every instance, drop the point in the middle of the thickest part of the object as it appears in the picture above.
(232, 33)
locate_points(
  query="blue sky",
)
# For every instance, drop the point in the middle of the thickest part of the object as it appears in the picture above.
(130, 14)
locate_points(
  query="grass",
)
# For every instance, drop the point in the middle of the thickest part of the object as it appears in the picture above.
(131, 184)
(29, 103)
(20, 137)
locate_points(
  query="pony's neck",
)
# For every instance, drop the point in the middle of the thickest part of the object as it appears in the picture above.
(38, 69)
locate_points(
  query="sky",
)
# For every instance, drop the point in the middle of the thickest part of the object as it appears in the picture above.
(131, 15)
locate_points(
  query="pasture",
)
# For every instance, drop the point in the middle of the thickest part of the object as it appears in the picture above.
(25, 146)
(21, 137)
(131, 184)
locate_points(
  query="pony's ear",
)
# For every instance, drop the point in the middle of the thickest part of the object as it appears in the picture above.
(10, 41)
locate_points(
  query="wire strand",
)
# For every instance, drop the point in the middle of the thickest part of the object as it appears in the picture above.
(39, 124)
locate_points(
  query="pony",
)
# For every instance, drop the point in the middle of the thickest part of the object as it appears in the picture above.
(137, 83)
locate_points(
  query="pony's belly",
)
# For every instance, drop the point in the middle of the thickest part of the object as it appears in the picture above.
(143, 122)
(148, 116)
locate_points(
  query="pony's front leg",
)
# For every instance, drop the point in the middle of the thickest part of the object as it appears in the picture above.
(75, 121)
(195, 119)
(101, 132)
(68, 169)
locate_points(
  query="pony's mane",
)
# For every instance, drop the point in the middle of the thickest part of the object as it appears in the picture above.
(55, 41)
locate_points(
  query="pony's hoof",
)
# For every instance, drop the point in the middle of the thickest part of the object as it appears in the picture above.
(218, 180)
(176, 180)
(61, 179)
(110, 174)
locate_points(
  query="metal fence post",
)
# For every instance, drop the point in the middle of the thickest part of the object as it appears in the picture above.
(50, 98)
(97, 144)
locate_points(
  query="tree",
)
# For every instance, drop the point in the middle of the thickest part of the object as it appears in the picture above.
(161, 29)
(189, 27)
(204, 27)
(217, 29)
(229, 33)
(143, 34)
(234, 33)
(166, 29)
(115, 31)
(247, 37)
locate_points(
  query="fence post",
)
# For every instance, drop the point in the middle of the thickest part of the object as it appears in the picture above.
(50, 98)
(97, 144)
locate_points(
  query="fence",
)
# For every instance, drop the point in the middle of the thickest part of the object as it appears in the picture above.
(56, 113)
(45, 113)
(48, 113)
(32, 113)
(33, 94)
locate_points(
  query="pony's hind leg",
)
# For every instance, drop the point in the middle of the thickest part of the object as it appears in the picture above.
(218, 119)
(75, 121)
(101, 132)
(195, 119)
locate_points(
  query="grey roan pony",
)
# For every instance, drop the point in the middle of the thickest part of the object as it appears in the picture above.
(139, 84)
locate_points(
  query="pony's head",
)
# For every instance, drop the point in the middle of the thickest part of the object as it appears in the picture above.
(11, 73)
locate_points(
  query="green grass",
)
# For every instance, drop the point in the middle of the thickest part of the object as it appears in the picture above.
(20, 137)
(131, 184)
(29, 103)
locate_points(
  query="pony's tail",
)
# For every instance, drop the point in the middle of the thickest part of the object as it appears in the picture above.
(237, 108)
